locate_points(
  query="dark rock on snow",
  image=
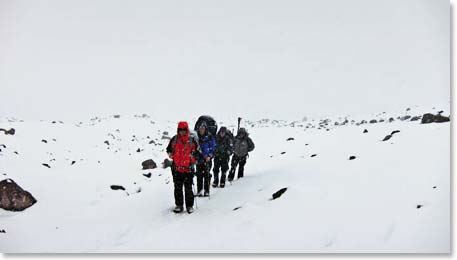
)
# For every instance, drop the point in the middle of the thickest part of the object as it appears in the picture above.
(387, 138)
(149, 164)
(430, 118)
(352, 157)
(12, 131)
(44, 141)
(290, 139)
(313, 155)
(419, 206)
(117, 187)
(148, 175)
(46, 165)
(394, 132)
(73, 162)
(283, 152)
(365, 131)
(373, 121)
(415, 118)
(279, 193)
(237, 208)
(106, 142)
(13, 197)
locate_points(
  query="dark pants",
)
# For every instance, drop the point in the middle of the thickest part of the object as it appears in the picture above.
(203, 175)
(221, 163)
(181, 179)
(240, 162)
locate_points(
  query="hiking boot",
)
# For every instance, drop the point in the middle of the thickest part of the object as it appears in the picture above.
(190, 210)
(206, 194)
(214, 184)
(178, 209)
(199, 194)
(222, 185)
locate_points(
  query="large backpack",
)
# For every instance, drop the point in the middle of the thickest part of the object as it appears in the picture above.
(210, 123)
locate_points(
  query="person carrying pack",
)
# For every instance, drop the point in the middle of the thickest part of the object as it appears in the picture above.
(182, 149)
(242, 145)
(222, 154)
(207, 143)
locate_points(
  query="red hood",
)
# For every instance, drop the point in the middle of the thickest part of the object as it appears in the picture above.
(183, 124)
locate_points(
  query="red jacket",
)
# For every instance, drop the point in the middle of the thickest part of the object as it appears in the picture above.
(182, 149)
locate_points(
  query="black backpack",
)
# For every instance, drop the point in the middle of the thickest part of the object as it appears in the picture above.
(210, 123)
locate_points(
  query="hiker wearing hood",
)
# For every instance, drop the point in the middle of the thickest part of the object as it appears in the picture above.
(242, 145)
(222, 154)
(207, 143)
(182, 149)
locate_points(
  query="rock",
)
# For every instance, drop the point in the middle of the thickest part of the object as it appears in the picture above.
(73, 162)
(313, 155)
(13, 197)
(237, 208)
(387, 138)
(138, 150)
(279, 193)
(152, 142)
(404, 118)
(147, 175)
(106, 142)
(394, 132)
(165, 137)
(117, 116)
(149, 164)
(166, 163)
(290, 139)
(165, 133)
(430, 118)
(46, 165)
(117, 187)
(434, 187)
(283, 152)
(352, 157)
(44, 141)
(8, 132)
(365, 131)
(373, 121)
(415, 118)
(391, 120)
(419, 206)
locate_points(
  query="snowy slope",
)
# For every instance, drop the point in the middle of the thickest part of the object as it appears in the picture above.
(332, 204)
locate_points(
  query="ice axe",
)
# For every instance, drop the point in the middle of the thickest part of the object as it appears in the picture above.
(239, 121)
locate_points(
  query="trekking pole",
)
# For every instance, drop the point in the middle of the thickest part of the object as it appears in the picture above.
(239, 121)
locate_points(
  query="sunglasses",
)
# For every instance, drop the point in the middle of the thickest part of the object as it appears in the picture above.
(182, 129)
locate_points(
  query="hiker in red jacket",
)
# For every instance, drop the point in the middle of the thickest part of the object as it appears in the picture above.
(182, 149)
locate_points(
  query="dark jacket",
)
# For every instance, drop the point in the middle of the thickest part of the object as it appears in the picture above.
(224, 146)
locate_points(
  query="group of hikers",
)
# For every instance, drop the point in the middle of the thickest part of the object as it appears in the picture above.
(194, 154)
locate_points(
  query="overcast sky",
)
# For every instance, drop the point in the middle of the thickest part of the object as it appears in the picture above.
(256, 58)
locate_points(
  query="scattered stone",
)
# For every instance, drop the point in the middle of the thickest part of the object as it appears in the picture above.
(152, 142)
(352, 157)
(365, 131)
(117, 116)
(44, 141)
(283, 152)
(434, 187)
(430, 118)
(313, 155)
(13, 197)
(2, 231)
(16, 152)
(12, 131)
(373, 121)
(415, 118)
(391, 120)
(279, 193)
(138, 150)
(237, 208)
(165, 137)
(149, 164)
(117, 187)
(404, 118)
(147, 175)
(395, 131)
(419, 206)
(46, 165)
(387, 138)
(106, 142)
(73, 162)
(290, 139)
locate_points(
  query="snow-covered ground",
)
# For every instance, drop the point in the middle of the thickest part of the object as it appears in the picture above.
(333, 204)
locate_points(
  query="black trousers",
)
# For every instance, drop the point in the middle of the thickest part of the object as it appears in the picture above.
(204, 175)
(181, 179)
(240, 162)
(222, 164)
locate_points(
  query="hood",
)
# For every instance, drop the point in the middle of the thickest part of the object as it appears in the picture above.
(183, 124)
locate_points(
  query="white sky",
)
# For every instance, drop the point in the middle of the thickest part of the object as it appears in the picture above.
(254, 58)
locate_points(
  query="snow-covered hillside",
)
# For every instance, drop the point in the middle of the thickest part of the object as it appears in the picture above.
(393, 197)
